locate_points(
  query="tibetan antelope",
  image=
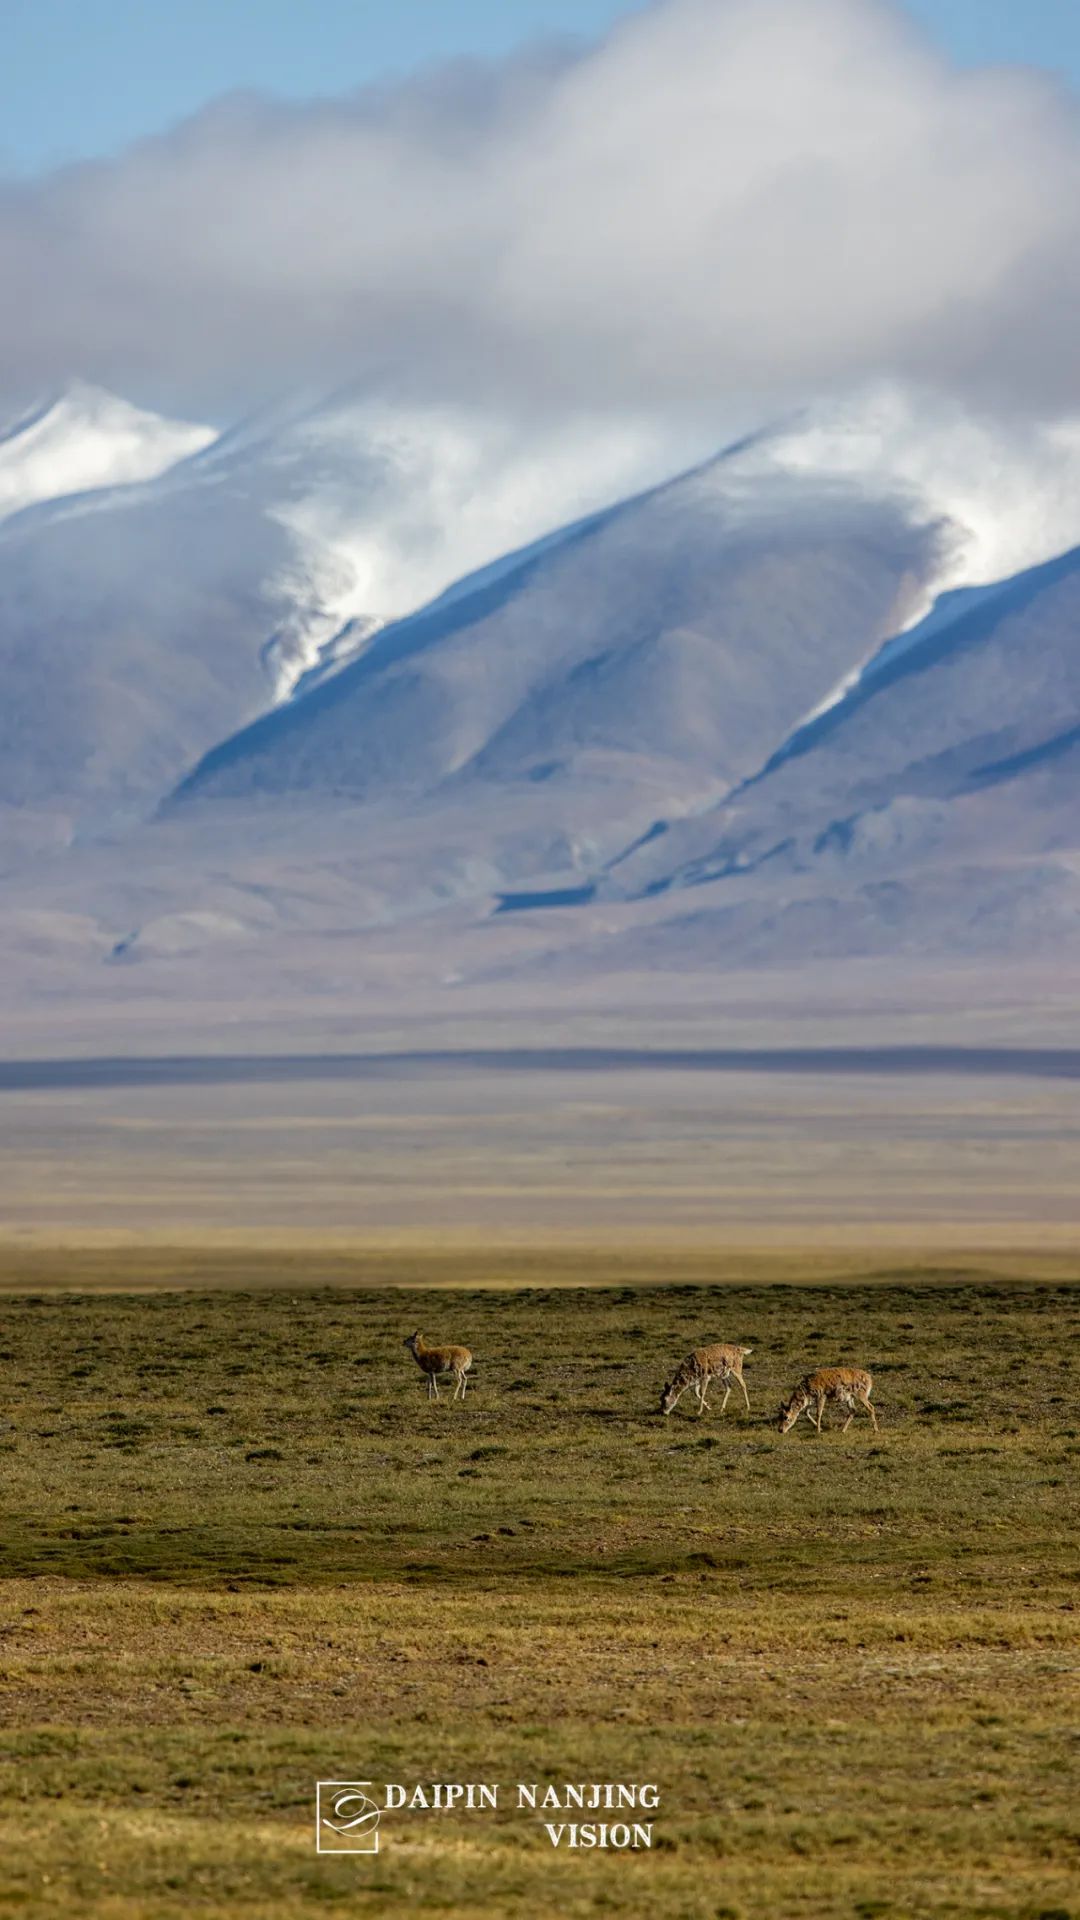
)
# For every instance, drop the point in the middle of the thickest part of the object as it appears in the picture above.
(436, 1360)
(848, 1386)
(704, 1364)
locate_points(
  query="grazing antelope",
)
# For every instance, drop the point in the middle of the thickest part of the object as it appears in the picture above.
(848, 1386)
(436, 1360)
(701, 1366)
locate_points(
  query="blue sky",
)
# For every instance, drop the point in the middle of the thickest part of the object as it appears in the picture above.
(83, 77)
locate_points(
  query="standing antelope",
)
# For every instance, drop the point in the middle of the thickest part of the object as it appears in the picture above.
(701, 1366)
(436, 1360)
(849, 1386)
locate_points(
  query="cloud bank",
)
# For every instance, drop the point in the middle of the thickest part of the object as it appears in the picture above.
(721, 197)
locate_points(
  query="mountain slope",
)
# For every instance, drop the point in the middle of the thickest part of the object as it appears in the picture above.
(934, 810)
(680, 635)
(988, 698)
(140, 623)
(664, 625)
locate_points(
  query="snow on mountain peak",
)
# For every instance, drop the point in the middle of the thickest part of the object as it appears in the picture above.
(84, 439)
(395, 505)
(586, 686)
(1011, 491)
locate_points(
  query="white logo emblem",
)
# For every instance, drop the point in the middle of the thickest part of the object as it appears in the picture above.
(346, 1820)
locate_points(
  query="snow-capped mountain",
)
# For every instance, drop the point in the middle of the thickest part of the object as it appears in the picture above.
(1011, 490)
(141, 622)
(661, 647)
(818, 693)
(1009, 493)
(86, 439)
(643, 666)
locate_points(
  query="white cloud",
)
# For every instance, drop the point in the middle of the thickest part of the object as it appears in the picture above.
(722, 196)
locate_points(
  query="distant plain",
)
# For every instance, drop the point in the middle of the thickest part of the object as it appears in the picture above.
(455, 1153)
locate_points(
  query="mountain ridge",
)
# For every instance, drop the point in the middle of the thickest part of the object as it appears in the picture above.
(774, 704)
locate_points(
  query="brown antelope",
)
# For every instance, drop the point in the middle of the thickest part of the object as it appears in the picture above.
(848, 1386)
(701, 1366)
(436, 1360)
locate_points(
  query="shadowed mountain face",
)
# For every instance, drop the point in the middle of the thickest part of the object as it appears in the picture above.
(965, 739)
(677, 639)
(931, 811)
(115, 673)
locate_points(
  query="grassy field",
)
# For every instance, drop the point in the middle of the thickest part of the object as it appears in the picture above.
(240, 1551)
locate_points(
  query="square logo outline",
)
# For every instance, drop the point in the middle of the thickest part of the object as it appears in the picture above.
(341, 1843)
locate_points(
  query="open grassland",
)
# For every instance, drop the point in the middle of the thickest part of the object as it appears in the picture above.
(241, 1551)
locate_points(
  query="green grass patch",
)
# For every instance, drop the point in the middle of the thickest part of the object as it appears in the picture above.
(240, 1550)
